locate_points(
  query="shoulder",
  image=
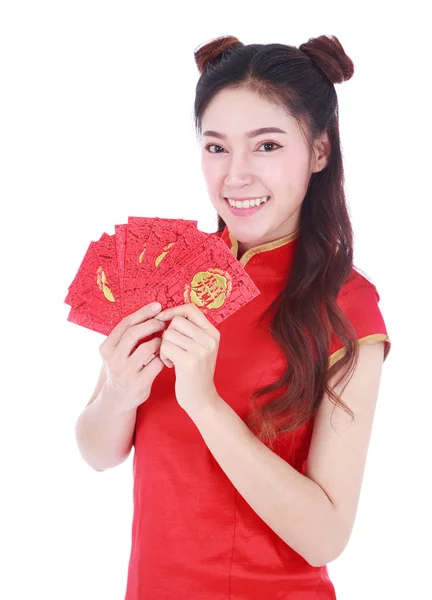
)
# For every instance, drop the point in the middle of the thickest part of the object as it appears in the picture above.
(355, 280)
(359, 299)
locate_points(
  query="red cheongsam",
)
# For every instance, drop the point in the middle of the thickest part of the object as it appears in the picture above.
(194, 537)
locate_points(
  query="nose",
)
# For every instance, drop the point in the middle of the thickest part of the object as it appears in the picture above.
(238, 171)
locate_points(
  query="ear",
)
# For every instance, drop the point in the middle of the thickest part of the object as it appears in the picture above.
(322, 149)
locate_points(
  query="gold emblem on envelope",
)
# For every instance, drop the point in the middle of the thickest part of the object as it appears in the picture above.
(101, 281)
(141, 256)
(163, 253)
(209, 289)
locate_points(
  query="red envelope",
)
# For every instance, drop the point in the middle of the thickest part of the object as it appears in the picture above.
(187, 245)
(213, 280)
(80, 317)
(152, 259)
(120, 243)
(108, 282)
(84, 279)
(99, 285)
(163, 237)
(137, 233)
(148, 242)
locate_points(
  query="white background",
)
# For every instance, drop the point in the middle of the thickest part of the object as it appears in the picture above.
(96, 125)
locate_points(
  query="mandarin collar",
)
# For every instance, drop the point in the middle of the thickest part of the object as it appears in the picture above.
(271, 258)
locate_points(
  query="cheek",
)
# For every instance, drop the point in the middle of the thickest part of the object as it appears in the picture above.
(207, 170)
(212, 174)
(290, 172)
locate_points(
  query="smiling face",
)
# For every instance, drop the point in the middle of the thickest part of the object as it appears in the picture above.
(236, 165)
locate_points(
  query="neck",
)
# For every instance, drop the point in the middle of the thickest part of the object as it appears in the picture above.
(241, 250)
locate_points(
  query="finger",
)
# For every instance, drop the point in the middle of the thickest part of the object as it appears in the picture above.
(170, 351)
(180, 340)
(188, 330)
(184, 326)
(144, 354)
(166, 361)
(190, 312)
(150, 371)
(133, 335)
(142, 314)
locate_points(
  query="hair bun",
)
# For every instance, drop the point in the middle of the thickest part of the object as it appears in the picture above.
(211, 50)
(328, 54)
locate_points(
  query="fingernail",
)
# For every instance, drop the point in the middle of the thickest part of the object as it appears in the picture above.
(155, 306)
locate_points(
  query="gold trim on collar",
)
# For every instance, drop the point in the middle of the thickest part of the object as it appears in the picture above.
(262, 247)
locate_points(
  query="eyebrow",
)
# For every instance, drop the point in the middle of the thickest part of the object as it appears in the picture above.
(249, 134)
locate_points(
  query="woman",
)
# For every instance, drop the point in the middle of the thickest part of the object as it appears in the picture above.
(230, 500)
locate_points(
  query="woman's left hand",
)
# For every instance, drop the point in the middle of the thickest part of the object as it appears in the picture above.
(191, 343)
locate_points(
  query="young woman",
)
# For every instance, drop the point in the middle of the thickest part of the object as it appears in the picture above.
(250, 447)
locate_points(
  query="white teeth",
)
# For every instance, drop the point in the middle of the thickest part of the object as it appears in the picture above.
(247, 203)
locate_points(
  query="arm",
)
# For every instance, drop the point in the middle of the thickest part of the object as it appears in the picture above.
(104, 433)
(313, 513)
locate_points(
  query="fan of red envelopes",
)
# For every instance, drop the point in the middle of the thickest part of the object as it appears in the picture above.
(156, 260)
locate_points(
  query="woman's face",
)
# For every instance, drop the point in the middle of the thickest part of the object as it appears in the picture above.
(235, 165)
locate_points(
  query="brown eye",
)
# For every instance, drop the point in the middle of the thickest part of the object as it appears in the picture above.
(216, 146)
(270, 144)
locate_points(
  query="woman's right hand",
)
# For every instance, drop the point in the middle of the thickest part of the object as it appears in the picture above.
(131, 369)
